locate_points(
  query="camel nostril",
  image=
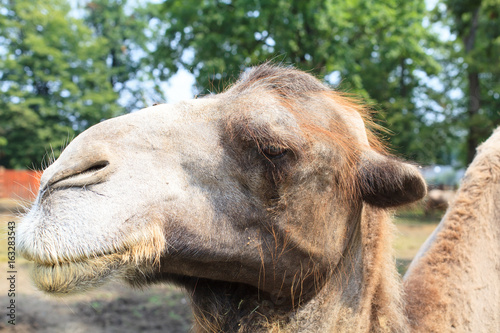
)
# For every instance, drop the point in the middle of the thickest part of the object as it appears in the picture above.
(79, 176)
(96, 167)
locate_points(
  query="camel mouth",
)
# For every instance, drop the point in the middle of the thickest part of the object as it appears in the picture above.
(49, 260)
(65, 278)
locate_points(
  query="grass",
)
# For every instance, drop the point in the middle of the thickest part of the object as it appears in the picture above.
(413, 228)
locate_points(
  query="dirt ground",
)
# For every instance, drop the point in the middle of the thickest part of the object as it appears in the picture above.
(116, 307)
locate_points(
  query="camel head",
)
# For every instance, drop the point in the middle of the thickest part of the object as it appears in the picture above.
(260, 186)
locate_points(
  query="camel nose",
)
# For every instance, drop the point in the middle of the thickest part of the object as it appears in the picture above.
(77, 168)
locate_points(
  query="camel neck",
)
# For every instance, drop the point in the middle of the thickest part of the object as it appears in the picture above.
(362, 294)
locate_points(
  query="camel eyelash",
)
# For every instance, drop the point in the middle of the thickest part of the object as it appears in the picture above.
(273, 152)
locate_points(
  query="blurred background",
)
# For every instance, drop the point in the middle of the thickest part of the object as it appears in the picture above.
(429, 69)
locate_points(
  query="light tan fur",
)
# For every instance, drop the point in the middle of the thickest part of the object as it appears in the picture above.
(453, 285)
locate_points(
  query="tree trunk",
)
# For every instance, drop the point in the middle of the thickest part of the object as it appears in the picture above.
(402, 83)
(473, 110)
(474, 90)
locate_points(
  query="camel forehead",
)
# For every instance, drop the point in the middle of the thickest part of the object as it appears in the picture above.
(260, 109)
(257, 108)
(258, 114)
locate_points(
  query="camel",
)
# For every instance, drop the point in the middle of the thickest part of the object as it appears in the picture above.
(438, 199)
(453, 284)
(269, 203)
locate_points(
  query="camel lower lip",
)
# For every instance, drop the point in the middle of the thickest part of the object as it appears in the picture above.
(68, 278)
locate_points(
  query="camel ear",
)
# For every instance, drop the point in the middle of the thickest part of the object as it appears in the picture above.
(388, 182)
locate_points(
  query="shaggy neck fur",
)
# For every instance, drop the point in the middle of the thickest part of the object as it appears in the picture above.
(454, 282)
(362, 294)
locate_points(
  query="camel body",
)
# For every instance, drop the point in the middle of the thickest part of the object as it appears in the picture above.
(453, 284)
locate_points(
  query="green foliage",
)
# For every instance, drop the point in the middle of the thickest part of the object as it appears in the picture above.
(473, 60)
(53, 83)
(378, 49)
(126, 42)
(60, 75)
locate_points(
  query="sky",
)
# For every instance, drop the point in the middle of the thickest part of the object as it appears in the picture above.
(179, 87)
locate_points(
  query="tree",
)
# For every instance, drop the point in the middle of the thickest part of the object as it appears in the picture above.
(377, 49)
(60, 74)
(476, 57)
(127, 37)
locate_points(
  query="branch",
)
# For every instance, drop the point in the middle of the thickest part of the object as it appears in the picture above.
(471, 37)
